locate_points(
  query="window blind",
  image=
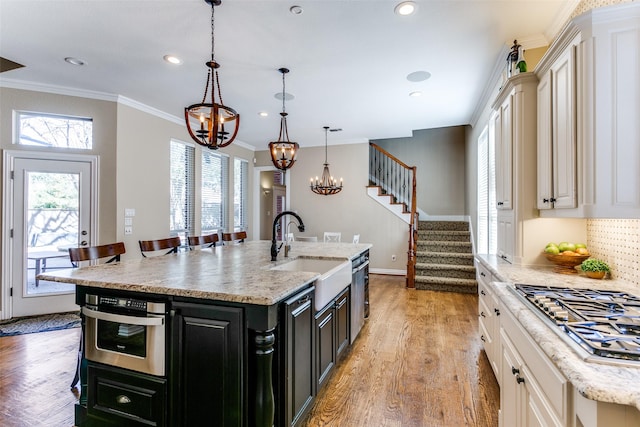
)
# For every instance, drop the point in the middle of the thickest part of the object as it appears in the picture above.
(182, 189)
(214, 191)
(240, 185)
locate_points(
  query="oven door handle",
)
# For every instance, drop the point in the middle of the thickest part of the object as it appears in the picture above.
(119, 318)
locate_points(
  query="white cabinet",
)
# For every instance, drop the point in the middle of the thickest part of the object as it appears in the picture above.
(532, 390)
(489, 319)
(506, 236)
(514, 123)
(503, 128)
(557, 134)
(588, 151)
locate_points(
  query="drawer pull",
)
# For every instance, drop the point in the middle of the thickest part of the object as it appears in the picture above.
(482, 292)
(519, 380)
(123, 400)
(482, 337)
(496, 311)
(515, 371)
(482, 314)
(482, 274)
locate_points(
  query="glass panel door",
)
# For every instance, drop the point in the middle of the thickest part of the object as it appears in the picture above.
(51, 213)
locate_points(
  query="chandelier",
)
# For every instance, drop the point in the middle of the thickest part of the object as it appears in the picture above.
(326, 186)
(283, 151)
(212, 124)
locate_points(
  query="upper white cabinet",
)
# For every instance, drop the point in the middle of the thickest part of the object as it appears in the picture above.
(557, 134)
(503, 128)
(514, 123)
(588, 109)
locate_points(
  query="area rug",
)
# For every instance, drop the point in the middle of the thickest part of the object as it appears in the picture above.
(42, 323)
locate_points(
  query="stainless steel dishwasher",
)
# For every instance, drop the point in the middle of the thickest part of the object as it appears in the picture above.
(359, 293)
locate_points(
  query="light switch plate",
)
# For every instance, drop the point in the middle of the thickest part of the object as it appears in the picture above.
(129, 212)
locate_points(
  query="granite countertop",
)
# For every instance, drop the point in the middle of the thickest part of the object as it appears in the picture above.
(237, 273)
(594, 380)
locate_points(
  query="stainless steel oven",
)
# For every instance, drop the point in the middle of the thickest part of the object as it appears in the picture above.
(126, 333)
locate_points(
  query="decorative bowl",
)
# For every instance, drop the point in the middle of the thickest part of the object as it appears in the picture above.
(565, 264)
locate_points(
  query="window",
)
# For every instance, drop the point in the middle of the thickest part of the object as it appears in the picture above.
(49, 130)
(487, 214)
(214, 191)
(240, 182)
(182, 189)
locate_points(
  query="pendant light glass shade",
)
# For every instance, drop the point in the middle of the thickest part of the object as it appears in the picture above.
(210, 123)
(326, 185)
(283, 152)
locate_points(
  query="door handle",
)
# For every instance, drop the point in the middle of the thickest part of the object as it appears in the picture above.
(119, 318)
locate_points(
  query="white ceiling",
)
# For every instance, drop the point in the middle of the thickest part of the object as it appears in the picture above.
(349, 59)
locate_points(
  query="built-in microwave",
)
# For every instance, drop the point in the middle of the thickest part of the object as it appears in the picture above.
(126, 333)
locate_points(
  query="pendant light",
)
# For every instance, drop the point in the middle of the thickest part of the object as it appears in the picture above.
(326, 186)
(283, 152)
(212, 124)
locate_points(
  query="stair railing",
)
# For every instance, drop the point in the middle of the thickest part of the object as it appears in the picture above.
(397, 179)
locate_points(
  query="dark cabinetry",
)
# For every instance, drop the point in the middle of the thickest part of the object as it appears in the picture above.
(332, 335)
(119, 397)
(295, 372)
(207, 365)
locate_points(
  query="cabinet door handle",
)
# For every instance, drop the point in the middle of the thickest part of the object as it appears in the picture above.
(482, 314)
(482, 274)
(515, 371)
(519, 380)
(500, 203)
(482, 292)
(545, 200)
(553, 200)
(123, 399)
(482, 337)
(496, 311)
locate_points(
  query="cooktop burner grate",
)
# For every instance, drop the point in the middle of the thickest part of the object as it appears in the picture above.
(604, 323)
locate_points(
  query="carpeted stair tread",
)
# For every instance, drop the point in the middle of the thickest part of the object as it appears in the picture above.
(443, 225)
(443, 235)
(444, 287)
(432, 266)
(444, 246)
(446, 270)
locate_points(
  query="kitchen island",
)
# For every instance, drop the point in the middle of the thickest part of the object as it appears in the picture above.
(583, 391)
(232, 323)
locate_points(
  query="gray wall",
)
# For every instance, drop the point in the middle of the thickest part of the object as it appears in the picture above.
(439, 155)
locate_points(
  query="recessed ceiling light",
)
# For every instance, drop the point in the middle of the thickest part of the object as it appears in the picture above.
(405, 8)
(74, 61)
(296, 10)
(287, 96)
(415, 94)
(418, 76)
(263, 114)
(172, 59)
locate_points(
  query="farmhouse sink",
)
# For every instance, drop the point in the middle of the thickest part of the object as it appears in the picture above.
(335, 275)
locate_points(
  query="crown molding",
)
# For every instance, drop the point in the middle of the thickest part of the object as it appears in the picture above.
(101, 96)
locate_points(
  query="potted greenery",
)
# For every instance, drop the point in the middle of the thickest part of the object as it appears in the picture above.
(594, 268)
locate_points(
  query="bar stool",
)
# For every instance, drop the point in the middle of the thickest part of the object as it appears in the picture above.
(234, 237)
(171, 243)
(206, 241)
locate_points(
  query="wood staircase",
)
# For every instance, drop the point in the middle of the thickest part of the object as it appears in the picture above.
(444, 257)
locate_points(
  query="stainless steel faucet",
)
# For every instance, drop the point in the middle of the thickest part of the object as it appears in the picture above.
(274, 247)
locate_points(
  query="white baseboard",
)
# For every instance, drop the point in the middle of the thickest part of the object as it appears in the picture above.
(388, 271)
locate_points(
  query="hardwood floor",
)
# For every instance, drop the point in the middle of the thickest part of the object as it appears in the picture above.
(417, 363)
(35, 373)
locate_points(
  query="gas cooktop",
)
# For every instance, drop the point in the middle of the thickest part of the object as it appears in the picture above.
(604, 323)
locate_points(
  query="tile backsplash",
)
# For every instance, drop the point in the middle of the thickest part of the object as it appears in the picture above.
(617, 242)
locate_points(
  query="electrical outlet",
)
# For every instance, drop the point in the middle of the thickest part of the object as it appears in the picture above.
(393, 257)
(128, 230)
